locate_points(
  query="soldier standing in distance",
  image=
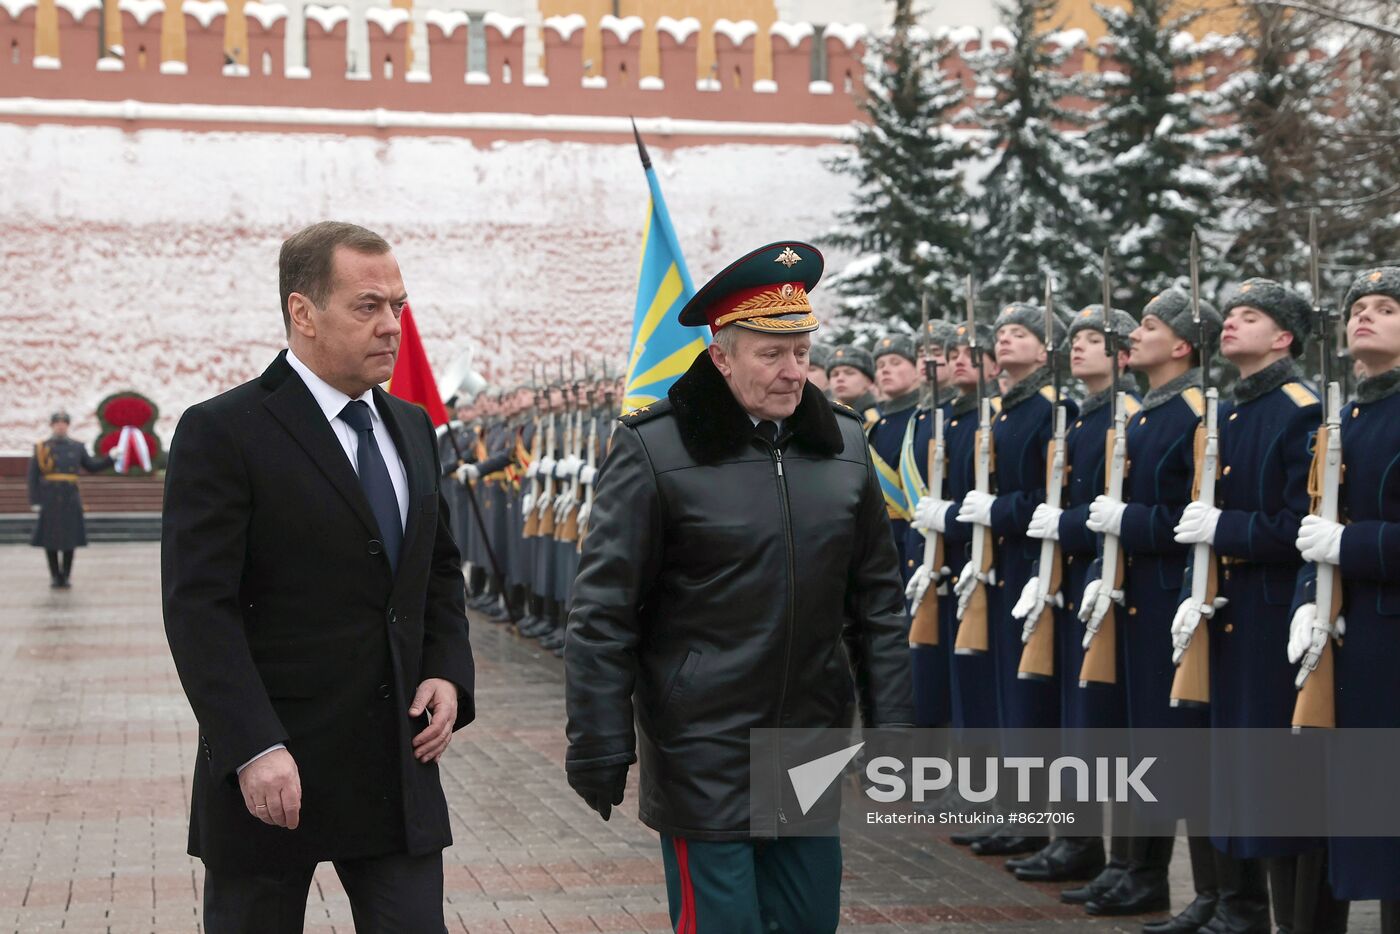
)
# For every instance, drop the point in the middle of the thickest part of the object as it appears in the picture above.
(897, 375)
(852, 373)
(54, 495)
(817, 362)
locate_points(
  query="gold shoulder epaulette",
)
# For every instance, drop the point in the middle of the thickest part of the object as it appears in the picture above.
(1193, 397)
(1048, 393)
(1301, 394)
(842, 408)
(996, 403)
(645, 413)
(1132, 405)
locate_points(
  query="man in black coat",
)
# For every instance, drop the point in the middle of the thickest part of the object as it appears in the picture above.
(314, 608)
(736, 526)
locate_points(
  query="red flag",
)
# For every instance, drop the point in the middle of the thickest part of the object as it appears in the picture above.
(413, 375)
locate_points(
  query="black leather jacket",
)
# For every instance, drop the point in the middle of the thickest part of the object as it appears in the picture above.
(712, 590)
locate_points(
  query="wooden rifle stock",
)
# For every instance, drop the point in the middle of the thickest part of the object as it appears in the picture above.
(1100, 664)
(1191, 683)
(1038, 654)
(924, 629)
(972, 638)
(1316, 704)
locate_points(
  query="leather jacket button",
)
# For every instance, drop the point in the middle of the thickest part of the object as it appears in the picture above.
(384, 691)
(374, 546)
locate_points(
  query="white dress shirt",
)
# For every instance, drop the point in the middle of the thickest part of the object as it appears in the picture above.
(332, 402)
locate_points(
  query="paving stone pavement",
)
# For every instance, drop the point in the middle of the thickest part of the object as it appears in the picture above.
(96, 747)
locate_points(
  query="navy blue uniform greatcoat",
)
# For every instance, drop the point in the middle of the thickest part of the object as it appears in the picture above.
(1368, 691)
(53, 487)
(1095, 705)
(971, 681)
(1262, 491)
(1020, 436)
(932, 693)
(1161, 468)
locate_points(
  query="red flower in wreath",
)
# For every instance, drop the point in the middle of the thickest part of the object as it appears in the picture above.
(134, 413)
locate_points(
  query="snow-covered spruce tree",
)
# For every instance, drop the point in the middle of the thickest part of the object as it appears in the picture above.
(1282, 107)
(1151, 145)
(1363, 225)
(1034, 218)
(909, 226)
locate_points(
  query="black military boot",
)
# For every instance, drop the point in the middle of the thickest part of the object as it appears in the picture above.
(1302, 897)
(1242, 906)
(1143, 886)
(55, 572)
(1202, 907)
(476, 585)
(1106, 879)
(535, 623)
(1008, 845)
(967, 839)
(1016, 862)
(65, 567)
(1075, 858)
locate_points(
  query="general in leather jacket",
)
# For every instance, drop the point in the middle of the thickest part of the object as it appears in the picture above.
(711, 595)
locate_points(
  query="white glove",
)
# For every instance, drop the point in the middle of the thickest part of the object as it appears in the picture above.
(533, 469)
(569, 466)
(467, 472)
(586, 475)
(584, 512)
(931, 514)
(1197, 525)
(527, 502)
(546, 466)
(543, 504)
(562, 505)
(1320, 541)
(1086, 602)
(1106, 515)
(967, 583)
(1030, 596)
(1045, 523)
(976, 508)
(1095, 606)
(35, 507)
(918, 585)
(1305, 635)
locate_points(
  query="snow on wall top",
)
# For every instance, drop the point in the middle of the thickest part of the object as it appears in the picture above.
(16, 7)
(678, 29)
(265, 13)
(848, 35)
(792, 33)
(386, 18)
(736, 32)
(327, 16)
(141, 10)
(505, 25)
(621, 27)
(78, 8)
(565, 26)
(204, 11)
(449, 21)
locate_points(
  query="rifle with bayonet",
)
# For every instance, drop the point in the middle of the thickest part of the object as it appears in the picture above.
(545, 506)
(924, 629)
(1100, 615)
(972, 638)
(1191, 652)
(1038, 631)
(590, 460)
(567, 520)
(527, 504)
(1316, 679)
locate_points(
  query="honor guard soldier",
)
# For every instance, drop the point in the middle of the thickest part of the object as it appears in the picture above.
(738, 529)
(852, 374)
(1099, 367)
(971, 684)
(932, 700)
(897, 376)
(1161, 468)
(1261, 495)
(54, 495)
(457, 448)
(1364, 547)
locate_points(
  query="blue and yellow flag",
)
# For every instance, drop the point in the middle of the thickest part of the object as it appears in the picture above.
(661, 348)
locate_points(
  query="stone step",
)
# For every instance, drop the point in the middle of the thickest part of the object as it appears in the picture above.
(101, 527)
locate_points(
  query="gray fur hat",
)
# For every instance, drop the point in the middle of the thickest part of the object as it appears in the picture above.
(959, 338)
(852, 356)
(819, 355)
(1290, 311)
(896, 344)
(1173, 308)
(1090, 318)
(1032, 318)
(1383, 280)
(940, 332)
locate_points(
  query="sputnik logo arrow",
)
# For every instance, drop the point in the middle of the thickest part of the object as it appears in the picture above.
(811, 779)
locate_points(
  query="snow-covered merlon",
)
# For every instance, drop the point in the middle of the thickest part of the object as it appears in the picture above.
(736, 32)
(565, 26)
(77, 8)
(678, 29)
(622, 28)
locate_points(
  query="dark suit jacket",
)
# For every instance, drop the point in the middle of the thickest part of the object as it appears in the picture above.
(287, 624)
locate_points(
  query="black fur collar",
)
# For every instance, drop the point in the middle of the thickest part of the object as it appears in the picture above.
(714, 426)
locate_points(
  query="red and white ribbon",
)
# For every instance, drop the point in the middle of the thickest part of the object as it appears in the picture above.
(131, 445)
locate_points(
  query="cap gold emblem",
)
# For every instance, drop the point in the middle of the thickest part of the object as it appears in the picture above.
(787, 290)
(1376, 276)
(788, 258)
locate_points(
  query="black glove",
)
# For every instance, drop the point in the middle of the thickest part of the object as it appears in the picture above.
(601, 788)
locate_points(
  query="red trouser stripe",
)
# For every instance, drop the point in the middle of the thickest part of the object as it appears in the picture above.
(686, 924)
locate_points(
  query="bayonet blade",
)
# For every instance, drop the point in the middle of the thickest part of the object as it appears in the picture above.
(1195, 280)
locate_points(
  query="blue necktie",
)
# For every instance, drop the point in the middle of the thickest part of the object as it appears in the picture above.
(374, 479)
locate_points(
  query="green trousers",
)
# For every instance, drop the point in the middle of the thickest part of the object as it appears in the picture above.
(753, 887)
